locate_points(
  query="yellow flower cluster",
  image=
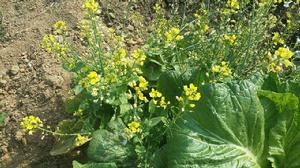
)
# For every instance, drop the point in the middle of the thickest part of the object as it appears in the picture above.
(140, 87)
(80, 140)
(78, 112)
(60, 27)
(282, 56)
(234, 4)
(172, 34)
(93, 77)
(284, 53)
(158, 98)
(157, 8)
(55, 44)
(277, 39)
(90, 7)
(274, 67)
(30, 123)
(155, 94)
(191, 92)
(139, 57)
(231, 39)
(222, 69)
(232, 7)
(163, 103)
(133, 128)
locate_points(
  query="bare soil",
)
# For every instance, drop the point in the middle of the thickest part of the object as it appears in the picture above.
(32, 82)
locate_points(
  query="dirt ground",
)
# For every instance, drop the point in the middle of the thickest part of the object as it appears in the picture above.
(31, 81)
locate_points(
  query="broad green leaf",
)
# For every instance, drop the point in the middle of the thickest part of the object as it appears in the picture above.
(2, 118)
(225, 131)
(93, 165)
(153, 121)
(151, 70)
(65, 144)
(106, 146)
(71, 105)
(284, 136)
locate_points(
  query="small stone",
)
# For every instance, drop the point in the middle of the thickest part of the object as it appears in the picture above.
(19, 135)
(14, 70)
(2, 82)
(55, 80)
(6, 158)
(4, 149)
(22, 70)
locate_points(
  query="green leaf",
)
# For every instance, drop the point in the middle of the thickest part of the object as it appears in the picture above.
(93, 165)
(284, 137)
(65, 144)
(151, 70)
(78, 89)
(153, 121)
(106, 146)
(71, 105)
(226, 130)
(171, 83)
(2, 118)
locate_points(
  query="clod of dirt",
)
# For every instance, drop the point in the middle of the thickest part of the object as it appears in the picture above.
(2, 82)
(20, 136)
(54, 80)
(14, 70)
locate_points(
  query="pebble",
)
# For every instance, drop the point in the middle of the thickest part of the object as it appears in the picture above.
(14, 70)
(2, 82)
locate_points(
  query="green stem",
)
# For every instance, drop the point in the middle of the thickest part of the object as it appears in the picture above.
(61, 134)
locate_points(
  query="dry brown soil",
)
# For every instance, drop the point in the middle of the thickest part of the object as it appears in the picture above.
(32, 82)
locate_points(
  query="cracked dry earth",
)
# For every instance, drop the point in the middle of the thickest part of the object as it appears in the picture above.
(31, 81)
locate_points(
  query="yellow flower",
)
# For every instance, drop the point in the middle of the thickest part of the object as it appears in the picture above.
(90, 7)
(275, 68)
(277, 39)
(132, 84)
(80, 140)
(173, 33)
(157, 8)
(92, 75)
(139, 57)
(192, 105)
(215, 68)
(78, 112)
(60, 27)
(223, 69)
(30, 123)
(94, 81)
(133, 128)
(143, 84)
(179, 37)
(284, 53)
(191, 92)
(230, 38)
(179, 98)
(287, 63)
(206, 28)
(154, 93)
(233, 4)
(163, 103)
(141, 95)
